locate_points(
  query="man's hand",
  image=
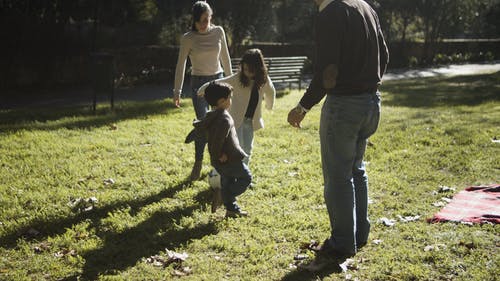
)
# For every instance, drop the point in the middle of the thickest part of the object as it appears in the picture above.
(223, 158)
(296, 115)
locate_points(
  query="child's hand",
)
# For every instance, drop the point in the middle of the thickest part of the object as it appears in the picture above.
(223, 158)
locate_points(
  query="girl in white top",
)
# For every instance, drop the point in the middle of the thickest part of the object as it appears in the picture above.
(206, 47)
(251, 85)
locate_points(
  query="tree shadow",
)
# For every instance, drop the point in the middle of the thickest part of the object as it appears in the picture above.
(79, 117)
(125, 249)
(442, 91)
(47, 227)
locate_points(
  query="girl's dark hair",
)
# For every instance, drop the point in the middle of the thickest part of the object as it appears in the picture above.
(197, 10)
(216, 91)
(255, 61)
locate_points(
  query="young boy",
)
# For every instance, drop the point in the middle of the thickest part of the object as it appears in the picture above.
(226, 155)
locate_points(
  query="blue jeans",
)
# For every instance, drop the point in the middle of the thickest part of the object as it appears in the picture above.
(201, 108)
(245, 137)
(235, 178)
(346, 123)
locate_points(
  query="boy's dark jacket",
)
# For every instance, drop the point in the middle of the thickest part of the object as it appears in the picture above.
(218, 128)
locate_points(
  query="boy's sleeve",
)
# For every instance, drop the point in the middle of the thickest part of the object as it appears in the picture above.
(221, 131)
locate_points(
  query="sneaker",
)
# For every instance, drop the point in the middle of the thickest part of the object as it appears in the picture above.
(195, 173)
(236, 214)
(216, 199)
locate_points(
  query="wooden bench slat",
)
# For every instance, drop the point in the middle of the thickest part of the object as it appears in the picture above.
(281, 69)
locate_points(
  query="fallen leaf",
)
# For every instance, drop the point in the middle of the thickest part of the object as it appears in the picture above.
(82, 204)
(377, 241)
(44, 246)
(300, 257)
(109, 181)
(434, 248)
(438, 204)
(309, 245)
(408, 218)
(387, 222)
(113, 127)
(447, 200)
(173, 256)
(348, 264)
(65, 252)
(443, 189)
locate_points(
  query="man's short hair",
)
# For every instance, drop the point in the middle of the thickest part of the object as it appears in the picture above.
(216, 91)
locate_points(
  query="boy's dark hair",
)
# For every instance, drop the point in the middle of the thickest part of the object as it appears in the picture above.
(197, 10)
(216, 91)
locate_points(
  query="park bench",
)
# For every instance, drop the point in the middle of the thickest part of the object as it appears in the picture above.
(282, 70)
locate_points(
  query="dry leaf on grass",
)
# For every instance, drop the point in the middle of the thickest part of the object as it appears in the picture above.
(109, 181)
(348, 264)
(172, 257)
(300, 257)
(64, 253)
(387, 222)
(443, 189)
(42, 247)
(434, 248)
(182, 271)
(408, 218)
(309, 245)
(83, 204)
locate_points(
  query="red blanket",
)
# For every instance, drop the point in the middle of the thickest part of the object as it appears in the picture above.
(475, 204)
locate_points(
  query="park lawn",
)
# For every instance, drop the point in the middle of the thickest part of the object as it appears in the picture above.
(434, 132)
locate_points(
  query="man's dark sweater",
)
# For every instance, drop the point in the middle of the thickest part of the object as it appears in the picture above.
(349, 40)
(221, 136)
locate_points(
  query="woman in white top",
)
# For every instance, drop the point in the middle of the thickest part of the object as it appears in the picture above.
(251, 85)
(206, 47)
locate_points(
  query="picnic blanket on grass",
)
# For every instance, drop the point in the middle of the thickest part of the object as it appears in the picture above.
(475, 204)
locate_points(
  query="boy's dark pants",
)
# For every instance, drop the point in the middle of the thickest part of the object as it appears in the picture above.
(235, 179)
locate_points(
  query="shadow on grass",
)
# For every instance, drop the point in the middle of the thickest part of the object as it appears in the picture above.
(442, 91)
(79, 117)
(52, 227)
(305, 275)
(125, 249)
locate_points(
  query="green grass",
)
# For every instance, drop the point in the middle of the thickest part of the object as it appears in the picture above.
(434, 132)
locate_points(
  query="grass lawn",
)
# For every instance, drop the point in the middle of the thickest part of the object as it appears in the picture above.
(434, 132)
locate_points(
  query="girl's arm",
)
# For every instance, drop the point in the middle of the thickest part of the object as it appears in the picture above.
(269, 93)
(224, 55)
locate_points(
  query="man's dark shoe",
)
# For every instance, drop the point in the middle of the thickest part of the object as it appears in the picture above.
(327, 250)
(216, 199)
(236, 214)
